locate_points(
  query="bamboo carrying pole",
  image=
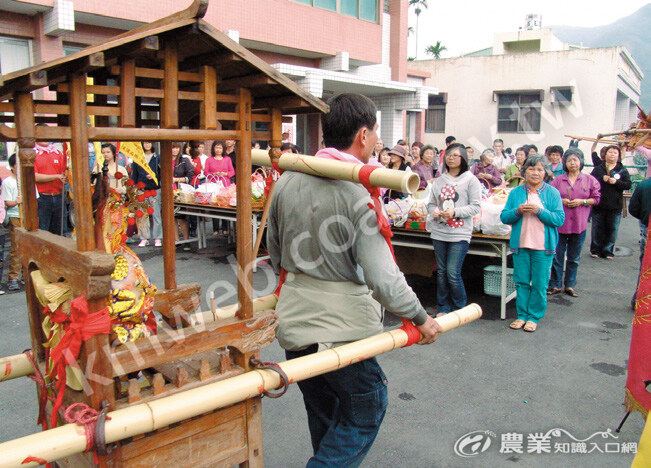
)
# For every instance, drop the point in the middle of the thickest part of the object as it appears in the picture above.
(12, 367)
(406, 182)
(146, 417)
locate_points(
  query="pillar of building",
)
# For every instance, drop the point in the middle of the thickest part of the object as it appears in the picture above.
(420, 126)
(314, 134)
(399, 9)
(45, 48)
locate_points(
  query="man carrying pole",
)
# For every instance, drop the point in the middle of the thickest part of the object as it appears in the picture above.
(338, 271)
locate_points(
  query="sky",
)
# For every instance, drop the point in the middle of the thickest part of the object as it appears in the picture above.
(465, 26)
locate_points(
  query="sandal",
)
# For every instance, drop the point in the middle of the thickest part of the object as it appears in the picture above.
(570, 292)
(530, 326)
(594, 255)
(552, 291)
(517, 324)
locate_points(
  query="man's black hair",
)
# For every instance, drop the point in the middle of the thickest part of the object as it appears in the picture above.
(348, 114)
(12, 160)
(449, 139)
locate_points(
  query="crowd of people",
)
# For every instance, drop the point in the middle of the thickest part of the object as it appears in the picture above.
(190, 165)
(549, 206)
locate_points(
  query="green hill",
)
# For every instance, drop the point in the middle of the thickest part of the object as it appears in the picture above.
(631, 32)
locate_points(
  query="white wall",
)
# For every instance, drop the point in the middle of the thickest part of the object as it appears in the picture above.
(471, 113)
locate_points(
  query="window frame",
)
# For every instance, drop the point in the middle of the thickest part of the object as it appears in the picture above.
(522, 108)
(338, 9)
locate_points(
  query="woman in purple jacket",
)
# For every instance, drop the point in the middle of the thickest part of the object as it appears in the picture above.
(489, 175)
(579, 192)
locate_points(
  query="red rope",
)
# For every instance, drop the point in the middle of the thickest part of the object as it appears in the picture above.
(42, 390)
(84, 415)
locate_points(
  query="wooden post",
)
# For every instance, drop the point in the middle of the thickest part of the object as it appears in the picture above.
(128, 93)
(208, 107)
(244, 227)
(101, 100)
(275, 142)
(24, 115)
(169, 119)
(79, 163)
(276, 128)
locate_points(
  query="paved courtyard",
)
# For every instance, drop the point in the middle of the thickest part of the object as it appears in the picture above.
(560, 389)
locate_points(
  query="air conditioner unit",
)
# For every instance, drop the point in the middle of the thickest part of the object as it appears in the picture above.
(561, 95)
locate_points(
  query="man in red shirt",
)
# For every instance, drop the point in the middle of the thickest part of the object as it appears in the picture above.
(49, 174)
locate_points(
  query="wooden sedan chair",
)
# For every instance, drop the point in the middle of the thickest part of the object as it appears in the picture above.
(201, 85)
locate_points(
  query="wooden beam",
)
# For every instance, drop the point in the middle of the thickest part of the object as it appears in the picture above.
(176, 305)
(92, 89)
(26, 139)
(249, 81)
(261, 136)
(145, 46)
(100, 101)
(128, 93)
(281, 102)
(40, 133)
(87, 273)
(244, 232)
(246, 335)
(213, 59)
(276, 128)
(157, 74)
(94, 61)
(158, 134)
(208, 106)
(169, 119)
(79, 163)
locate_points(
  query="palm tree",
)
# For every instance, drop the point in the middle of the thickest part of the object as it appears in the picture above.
(435, 50)
(418, 4)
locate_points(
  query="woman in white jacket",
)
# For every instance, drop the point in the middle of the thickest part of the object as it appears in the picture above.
(455, 198)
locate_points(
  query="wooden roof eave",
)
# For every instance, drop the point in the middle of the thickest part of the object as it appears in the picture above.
(58, 69)
(290, 98)
(312, 104)
(62, 66)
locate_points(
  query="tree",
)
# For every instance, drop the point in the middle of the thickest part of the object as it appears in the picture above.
(435, 50)
(418, 9)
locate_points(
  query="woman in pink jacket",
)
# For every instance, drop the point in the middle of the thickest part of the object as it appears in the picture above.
(218, 166)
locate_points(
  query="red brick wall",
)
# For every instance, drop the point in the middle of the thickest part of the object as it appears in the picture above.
(282, 22)
(271, 57)
(13, 24)
(86, 34)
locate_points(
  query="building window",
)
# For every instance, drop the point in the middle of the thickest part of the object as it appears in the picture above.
(15, 54)
(435, 114)
(519, 112)
(362, 9)
(69, 49)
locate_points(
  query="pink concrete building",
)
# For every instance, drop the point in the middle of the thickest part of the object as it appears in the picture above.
(326, 46)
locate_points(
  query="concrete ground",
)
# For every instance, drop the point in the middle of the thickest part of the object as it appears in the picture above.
(569, 375)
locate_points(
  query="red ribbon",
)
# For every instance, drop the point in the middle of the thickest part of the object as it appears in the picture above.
(80, 327)
(382, 222)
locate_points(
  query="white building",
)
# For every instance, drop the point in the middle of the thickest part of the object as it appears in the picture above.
(531, 88)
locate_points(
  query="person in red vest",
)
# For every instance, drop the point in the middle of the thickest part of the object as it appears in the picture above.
(49, 174)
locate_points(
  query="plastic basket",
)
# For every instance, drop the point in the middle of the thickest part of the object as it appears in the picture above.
(493, 280)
